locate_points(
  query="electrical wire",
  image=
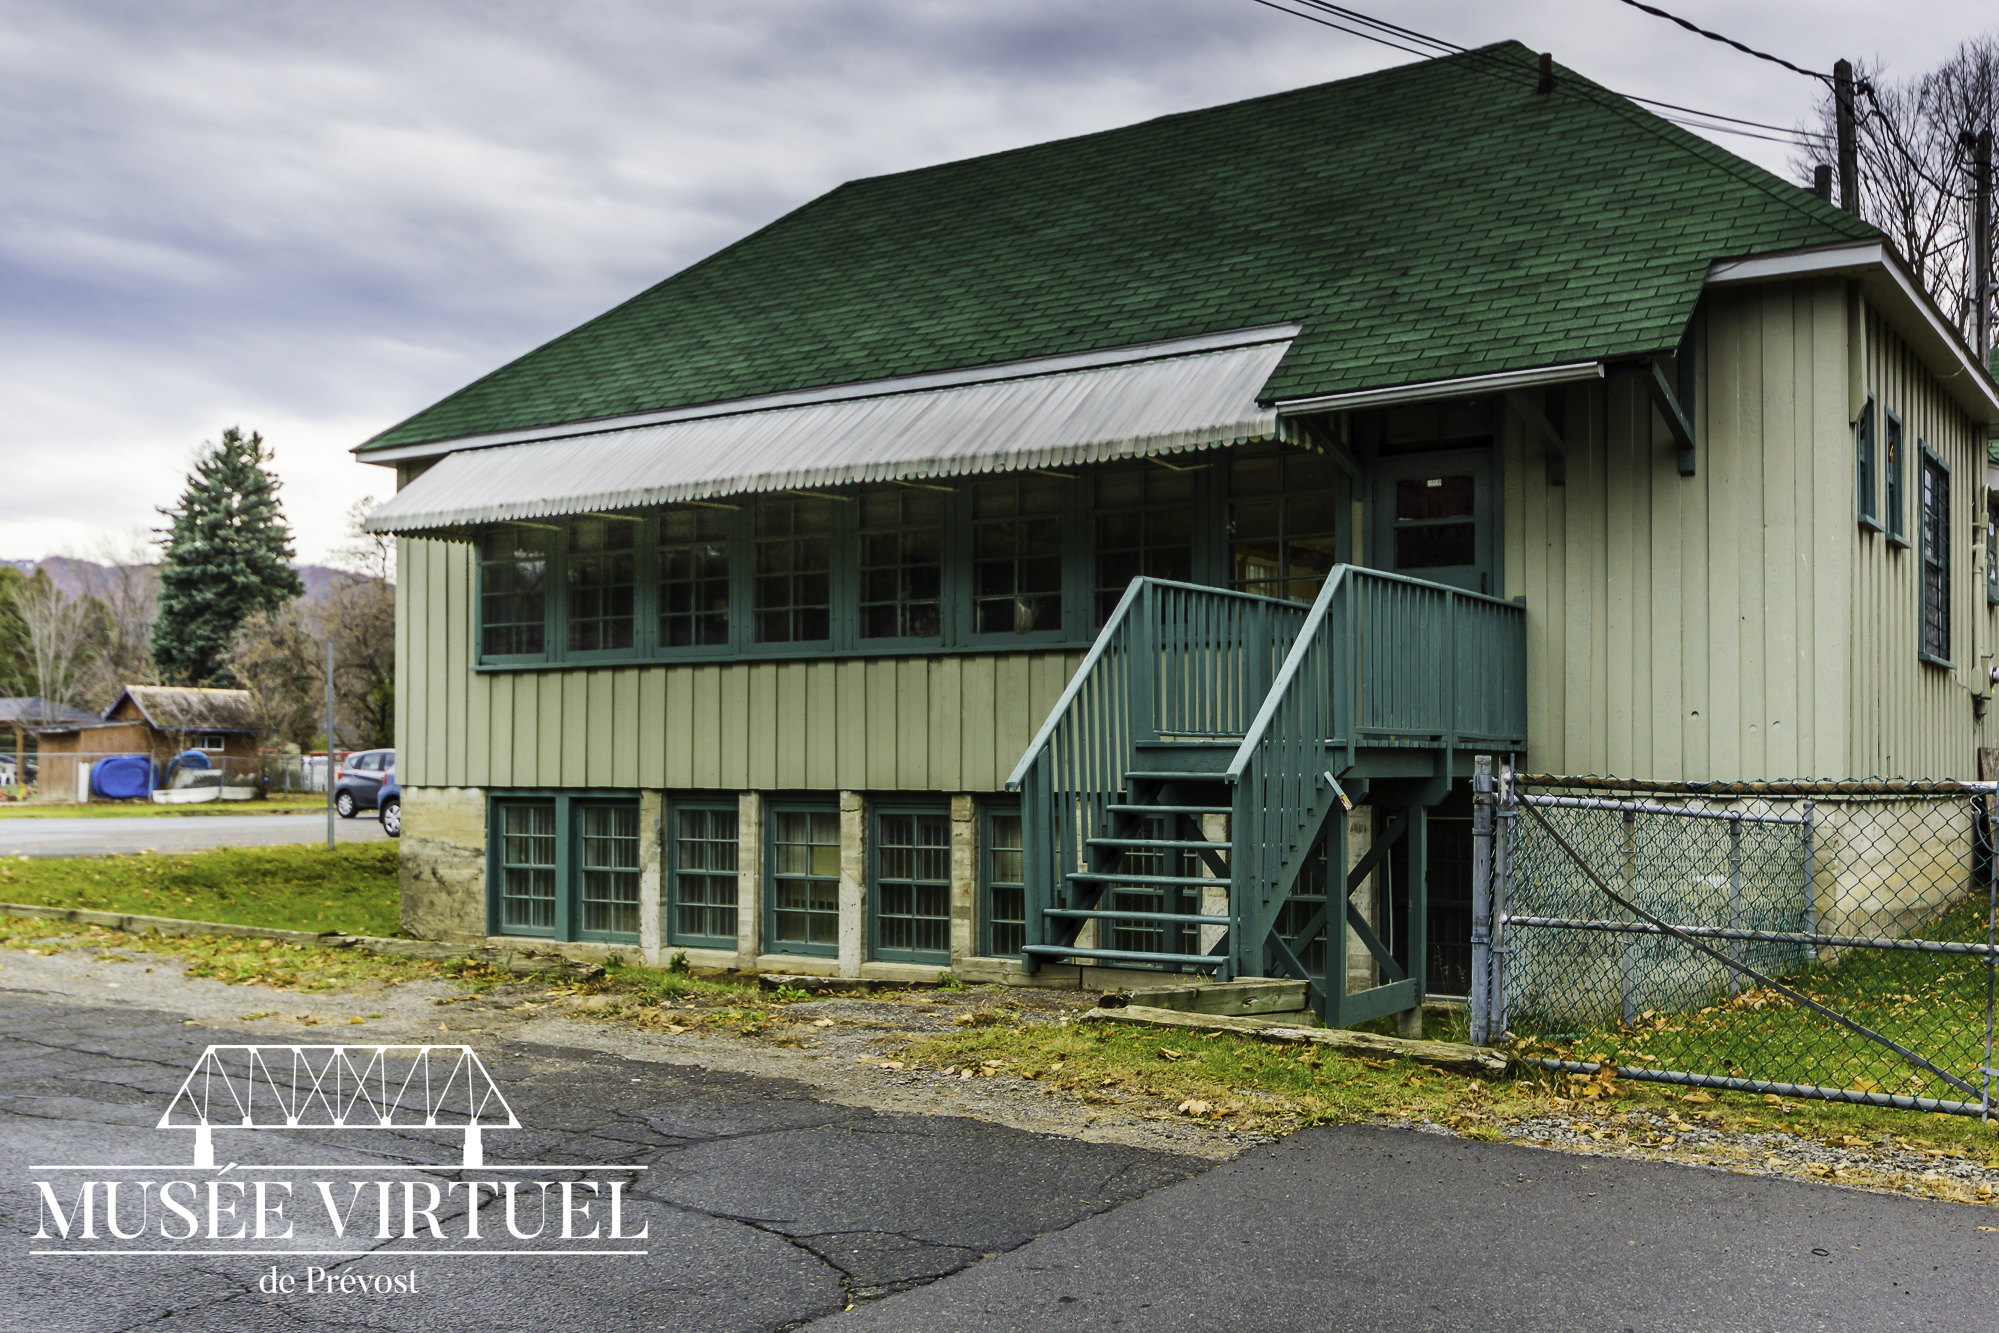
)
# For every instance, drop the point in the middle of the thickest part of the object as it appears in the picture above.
(1729, 41)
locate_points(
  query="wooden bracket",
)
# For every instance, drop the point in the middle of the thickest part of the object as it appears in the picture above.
(1543, 430)
(1667, 400)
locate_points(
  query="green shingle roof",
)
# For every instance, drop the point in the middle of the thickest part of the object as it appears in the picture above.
(1423, 222)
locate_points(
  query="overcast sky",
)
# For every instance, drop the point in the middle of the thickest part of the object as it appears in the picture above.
(312, 220)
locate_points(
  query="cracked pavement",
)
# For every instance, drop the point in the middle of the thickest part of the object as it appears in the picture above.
(768, 1206)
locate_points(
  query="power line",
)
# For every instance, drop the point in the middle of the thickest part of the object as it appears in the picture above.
(1729, 41)
(1352, 32)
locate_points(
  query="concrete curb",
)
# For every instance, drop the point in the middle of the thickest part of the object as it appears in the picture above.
(1473, 1061)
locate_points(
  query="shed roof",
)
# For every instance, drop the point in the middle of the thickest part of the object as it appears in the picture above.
(185, 708)
(28, 711)
(1434, 220)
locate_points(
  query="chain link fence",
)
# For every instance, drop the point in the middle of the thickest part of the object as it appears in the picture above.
(1809, 939)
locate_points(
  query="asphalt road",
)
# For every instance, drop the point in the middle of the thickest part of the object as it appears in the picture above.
(174, 833)
(770, 1208)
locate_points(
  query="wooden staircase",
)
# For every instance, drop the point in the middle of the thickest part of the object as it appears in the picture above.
(1189, 775)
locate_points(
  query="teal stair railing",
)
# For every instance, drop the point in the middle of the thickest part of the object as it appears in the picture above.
(1383, 661)
(1199, 702)
(1175, 664)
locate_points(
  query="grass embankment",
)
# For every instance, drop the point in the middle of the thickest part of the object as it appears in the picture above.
(351, 890)
(269, 805)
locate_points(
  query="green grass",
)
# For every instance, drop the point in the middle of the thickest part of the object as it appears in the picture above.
(270, 805)
(352, 890)
(1933, 1004)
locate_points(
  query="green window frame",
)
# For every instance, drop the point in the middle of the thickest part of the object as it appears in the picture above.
(802, 879)
(1891, 498)
(1002, 881)
(564, 865)
(1935, 567)
(1289, 516)
(793, 563)
(695, 592)
(703, 857)
(1020, 579)
(1144, 525)
(909, 884)
(515, 561)
(1991, 553)
(901, 565)
(600, 583)
(1865, 466)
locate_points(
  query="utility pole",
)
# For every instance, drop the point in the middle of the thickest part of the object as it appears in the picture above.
(1849, 149)
(329, 743)
(1981, 243)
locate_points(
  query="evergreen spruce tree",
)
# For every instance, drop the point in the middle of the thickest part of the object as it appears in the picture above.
(227, 554)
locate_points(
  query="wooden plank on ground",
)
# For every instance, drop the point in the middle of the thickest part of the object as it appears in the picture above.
(1470, 1060)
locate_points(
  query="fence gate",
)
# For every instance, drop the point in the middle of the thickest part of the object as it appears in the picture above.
(1810, 939)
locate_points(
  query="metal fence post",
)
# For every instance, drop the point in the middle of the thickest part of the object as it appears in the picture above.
(1632, 947)
(1734, 899)
(1481, 896)
(1502, 884)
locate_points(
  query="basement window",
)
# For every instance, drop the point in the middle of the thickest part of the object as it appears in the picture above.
(803, 903)
(565, 867)
(703, 858)
(911, 892)
(1002, 884)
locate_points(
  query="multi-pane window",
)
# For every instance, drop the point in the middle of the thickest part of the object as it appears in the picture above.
(1284, 521)
(1004, 885)
(704, 876)
(1864, 466)
(912, 889)
(805, 881)
(902, 563)
(527, 868)
(694, 577)
(1017, 555)
(1936, 558)
(566, 867)
(602, 568)
(607, 862)
(794, 562)
(1892, 478)
(513, 591)
(1991, 554)
(1144, 526)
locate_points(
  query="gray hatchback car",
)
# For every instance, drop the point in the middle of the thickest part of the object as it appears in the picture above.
(357, 786)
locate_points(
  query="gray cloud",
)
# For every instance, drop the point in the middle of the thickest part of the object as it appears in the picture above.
(314, 219)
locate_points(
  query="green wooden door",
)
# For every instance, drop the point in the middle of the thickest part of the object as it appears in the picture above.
(1436, 517)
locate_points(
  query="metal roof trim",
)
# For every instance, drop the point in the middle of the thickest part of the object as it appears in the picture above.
(1160, 405)
(1463, 386)
(943, 379)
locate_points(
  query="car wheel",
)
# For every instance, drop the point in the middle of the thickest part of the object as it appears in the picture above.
(344, 803)
(392, 817)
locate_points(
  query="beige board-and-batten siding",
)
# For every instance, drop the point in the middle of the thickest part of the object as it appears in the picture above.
(943, 723)
(1738, 623)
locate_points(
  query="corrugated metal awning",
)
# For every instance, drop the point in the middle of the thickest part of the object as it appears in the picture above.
(1158, 405)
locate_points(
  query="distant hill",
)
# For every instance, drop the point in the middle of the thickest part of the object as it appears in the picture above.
(77, 577)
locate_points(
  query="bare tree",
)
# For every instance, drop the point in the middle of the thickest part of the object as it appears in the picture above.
(277, 658)
(125, 584)
(59, 631)
(369, 554)
(358, 612)
(1914, 169)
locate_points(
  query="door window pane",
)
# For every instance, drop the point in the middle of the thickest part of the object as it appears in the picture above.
(527, 868)
(913, 886)
(1017, 555)
(1434, 524)
(694, 578)
(1144, 527)
(902, 549)
(513, 591)
(1005, 886)
(805, 881)
(608, 865)
(794, 560)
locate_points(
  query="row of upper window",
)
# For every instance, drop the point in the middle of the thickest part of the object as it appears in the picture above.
(1884, 455)
(567, 867)
(1016, 559)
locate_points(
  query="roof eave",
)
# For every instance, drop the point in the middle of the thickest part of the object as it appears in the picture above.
(1885, 281)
